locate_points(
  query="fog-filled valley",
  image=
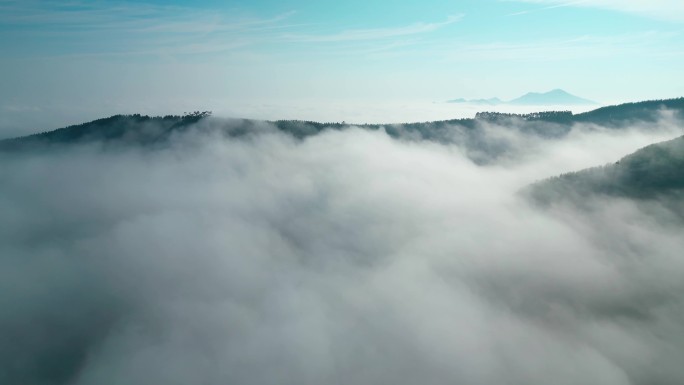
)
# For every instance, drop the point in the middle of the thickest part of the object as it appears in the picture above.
(202, 250)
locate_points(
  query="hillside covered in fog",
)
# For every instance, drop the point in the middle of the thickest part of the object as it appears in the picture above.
(652, 174)
(199, 250)
(486, 137)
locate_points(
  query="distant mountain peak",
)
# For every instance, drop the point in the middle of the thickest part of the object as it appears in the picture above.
(554, 97)
(490, 101)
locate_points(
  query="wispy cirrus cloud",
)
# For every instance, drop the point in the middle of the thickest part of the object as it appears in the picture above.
(655, 44)
(579, 47)
(115, 28)
(82, 28)
(373, 33)
(661, 9)
(559, 5)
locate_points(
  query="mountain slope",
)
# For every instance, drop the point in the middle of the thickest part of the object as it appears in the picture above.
(646, 111)
(475, 136)
(655, 171)
(129, 129)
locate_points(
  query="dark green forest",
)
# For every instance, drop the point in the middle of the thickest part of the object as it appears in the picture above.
(655, 172)
(471, 134)
(144, 129)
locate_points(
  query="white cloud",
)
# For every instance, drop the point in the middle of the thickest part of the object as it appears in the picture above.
(347, 258)
(661, 9)
(137, 28)
(373, 33)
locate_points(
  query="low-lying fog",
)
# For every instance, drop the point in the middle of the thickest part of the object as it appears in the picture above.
(346, 258)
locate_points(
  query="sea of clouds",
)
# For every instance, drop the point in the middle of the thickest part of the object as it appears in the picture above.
(349, 257)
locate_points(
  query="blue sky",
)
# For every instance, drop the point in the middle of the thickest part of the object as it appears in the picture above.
(82, 59)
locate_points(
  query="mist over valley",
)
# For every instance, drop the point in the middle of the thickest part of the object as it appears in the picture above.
(294, 192)
(199, 249)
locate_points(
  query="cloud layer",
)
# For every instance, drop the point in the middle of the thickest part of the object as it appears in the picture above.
(346, 258)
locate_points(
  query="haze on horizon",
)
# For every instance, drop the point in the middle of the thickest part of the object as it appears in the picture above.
(358, 61)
